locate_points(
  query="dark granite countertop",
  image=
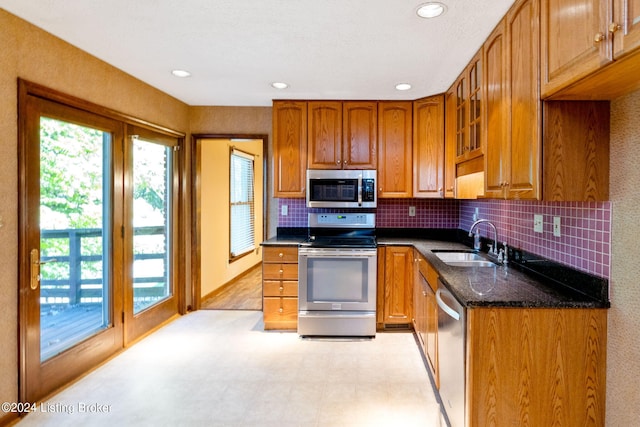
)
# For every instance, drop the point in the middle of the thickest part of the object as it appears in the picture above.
(499, 286)
(523, 282)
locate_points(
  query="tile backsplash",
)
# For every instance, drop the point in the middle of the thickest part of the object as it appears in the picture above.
(585, 240)
(584, 244)
(391, 213)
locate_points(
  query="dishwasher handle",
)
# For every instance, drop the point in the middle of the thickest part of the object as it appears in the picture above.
(450, 311)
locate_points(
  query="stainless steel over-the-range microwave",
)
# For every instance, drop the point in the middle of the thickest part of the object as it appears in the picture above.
(344, 188)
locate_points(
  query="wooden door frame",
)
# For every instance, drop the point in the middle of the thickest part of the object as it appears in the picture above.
(196, 190)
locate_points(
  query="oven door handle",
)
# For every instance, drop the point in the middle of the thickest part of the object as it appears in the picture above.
(360, 190)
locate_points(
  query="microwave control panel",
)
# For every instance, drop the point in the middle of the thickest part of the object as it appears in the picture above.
(368, 190)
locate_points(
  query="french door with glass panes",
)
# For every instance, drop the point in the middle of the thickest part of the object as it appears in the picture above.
(97, 240)
(151, 207)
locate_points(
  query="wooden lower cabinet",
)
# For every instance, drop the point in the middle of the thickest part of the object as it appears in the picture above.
(395, 286)
(280, 287)
(536, 367)
(425, 312)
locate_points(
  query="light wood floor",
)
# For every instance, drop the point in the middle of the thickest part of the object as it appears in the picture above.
(242, 293)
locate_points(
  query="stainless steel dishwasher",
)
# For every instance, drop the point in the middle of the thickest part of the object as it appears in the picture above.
(451, 355)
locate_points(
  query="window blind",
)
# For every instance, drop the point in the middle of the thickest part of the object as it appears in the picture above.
(241, 200)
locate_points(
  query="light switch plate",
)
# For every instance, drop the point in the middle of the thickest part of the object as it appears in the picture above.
(284, 210)
(556, 226)
(412, 211)
(537, 223)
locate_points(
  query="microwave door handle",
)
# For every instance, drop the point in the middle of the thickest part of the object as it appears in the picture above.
(359, 190)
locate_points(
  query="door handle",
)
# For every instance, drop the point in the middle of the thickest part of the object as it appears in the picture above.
(35, 268)
(450, 311)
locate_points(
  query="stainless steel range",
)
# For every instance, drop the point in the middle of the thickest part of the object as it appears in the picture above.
(337, 276)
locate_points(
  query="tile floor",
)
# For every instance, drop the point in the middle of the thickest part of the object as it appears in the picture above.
(218, 368)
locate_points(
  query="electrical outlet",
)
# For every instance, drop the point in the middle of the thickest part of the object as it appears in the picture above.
(284, 210)
(556, 226)
(476, 214)
(412, 211)
(537, 223)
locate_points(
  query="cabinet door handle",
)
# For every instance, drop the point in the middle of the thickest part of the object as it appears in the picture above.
(614, 26)
(598, 37)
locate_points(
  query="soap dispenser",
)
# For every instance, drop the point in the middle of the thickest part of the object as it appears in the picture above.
(476, 240)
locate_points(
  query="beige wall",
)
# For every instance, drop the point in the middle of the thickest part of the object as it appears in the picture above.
(240, 120)
(32, 54)
(623, 359)
(216, 270)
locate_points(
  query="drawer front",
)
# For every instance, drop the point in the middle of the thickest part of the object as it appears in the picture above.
(280, 288)
(280, 271)
(280, 309)
(280, 254)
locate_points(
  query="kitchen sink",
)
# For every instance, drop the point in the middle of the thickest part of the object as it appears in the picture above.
(463, 258)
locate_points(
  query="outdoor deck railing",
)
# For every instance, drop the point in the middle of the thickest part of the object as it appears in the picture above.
(76, 287)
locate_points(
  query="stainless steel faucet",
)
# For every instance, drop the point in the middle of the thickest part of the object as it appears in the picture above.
(493, 250)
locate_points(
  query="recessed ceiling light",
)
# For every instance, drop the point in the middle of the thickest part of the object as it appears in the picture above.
(279, 85)
(403, 86)
(431, 10)
(181, 73)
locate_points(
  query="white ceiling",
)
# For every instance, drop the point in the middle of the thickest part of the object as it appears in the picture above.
(324, 49)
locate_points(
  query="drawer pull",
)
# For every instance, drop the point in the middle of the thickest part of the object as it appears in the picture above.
(280, 254)
(281, 271)
(280, 310)
(281, 288)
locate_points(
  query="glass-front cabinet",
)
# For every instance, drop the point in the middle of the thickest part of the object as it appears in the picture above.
(469, 101)
(626, 27)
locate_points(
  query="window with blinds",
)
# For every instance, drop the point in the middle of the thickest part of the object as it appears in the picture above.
(241, 204)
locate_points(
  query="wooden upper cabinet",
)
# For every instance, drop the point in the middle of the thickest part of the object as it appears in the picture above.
(428, 147)
(324, 147)
(523, 178)
(475, 106)
(513, 118)
(469, 105)
(626, 37)
(289, 148)
(394, 149)
(576, 151)
(360, 135)
(575, 40)
(497, 108)
(342, 135)
(450, 144)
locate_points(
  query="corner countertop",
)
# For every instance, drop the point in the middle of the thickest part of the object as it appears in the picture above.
(499, 286)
